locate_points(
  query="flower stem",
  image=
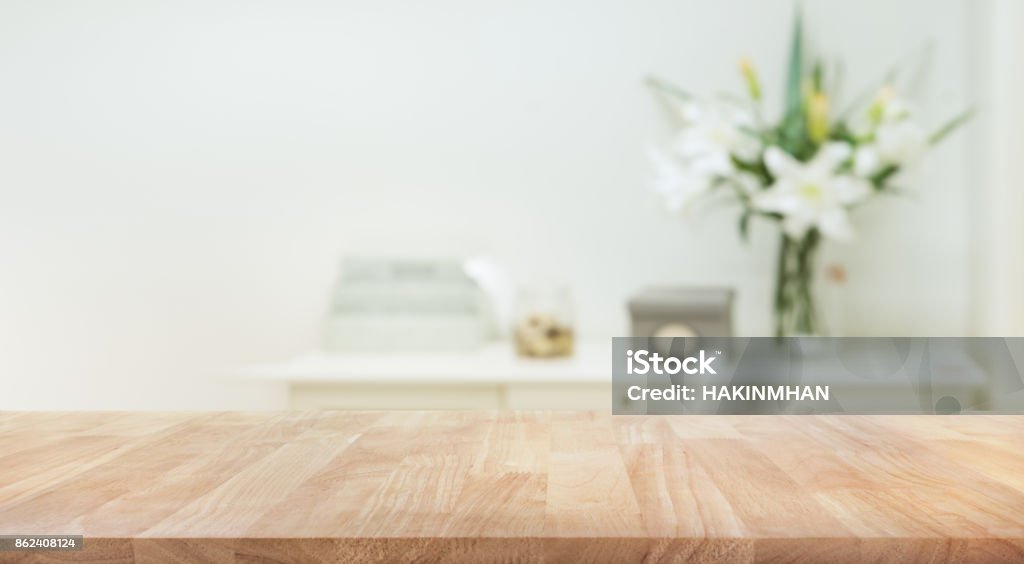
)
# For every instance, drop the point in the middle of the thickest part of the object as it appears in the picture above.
(795, 311)
(781, 305)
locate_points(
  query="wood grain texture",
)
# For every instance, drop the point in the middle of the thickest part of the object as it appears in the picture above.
(514, 487)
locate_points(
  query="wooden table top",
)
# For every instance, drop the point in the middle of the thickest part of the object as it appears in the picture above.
(516, 486)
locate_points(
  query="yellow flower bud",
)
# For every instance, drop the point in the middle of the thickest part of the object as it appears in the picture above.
(817, 116)
(750, 76)
(876, 111)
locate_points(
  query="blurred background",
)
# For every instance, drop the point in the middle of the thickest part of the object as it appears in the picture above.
(181, 183)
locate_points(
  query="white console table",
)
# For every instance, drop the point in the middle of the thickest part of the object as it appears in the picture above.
(491, 378)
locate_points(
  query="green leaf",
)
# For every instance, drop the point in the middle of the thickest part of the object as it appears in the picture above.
(792, 129)
(880, 177)
(915, 57)
(818, 76)
(794, 77)
(756, 168)
(896, 191)
(841, 132)
(745, 226)
(663, 87)
(950, 126)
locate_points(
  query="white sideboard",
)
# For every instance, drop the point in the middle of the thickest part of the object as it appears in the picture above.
(490, 378)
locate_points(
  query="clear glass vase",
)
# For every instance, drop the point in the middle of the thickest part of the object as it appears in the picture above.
(796, 311)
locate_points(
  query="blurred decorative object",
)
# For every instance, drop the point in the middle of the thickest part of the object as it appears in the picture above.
(675, 311)
(806, 171)
(836, 273)
(496, 283)
(405, 304)
(835, 299)
(544, 323)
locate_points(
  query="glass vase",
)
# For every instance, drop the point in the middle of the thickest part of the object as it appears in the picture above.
(796, 311)
(544, 322)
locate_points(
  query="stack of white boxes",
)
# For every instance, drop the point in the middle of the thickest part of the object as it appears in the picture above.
(407, 305)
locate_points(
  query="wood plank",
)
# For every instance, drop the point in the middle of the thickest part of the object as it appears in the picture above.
(527, 486)
(588, 491)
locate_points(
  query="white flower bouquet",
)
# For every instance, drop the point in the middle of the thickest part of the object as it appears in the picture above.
(806, 171)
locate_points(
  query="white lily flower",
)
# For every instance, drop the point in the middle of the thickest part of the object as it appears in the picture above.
(897, 139)
(678, 185)
(712, 135)
(900, 142)
(747, 183)
(895, 108)
(812, 194)
(866, 160)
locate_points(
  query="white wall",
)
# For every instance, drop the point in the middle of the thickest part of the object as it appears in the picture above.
(179, 179)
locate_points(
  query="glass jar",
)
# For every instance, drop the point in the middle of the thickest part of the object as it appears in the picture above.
(544, 323)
